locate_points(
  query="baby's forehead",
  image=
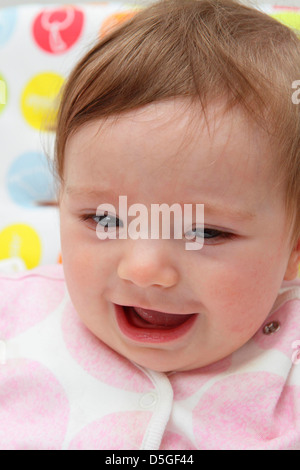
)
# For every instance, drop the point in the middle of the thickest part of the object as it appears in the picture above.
(175, 140)
(181, 115)
(174, 133)
(180, 126)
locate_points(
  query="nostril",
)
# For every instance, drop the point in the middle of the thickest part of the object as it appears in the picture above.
(148, 275)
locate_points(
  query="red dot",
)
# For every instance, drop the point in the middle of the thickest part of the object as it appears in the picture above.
(56, 30)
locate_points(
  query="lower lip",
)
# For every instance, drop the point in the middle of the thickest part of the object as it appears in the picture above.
(151, 335)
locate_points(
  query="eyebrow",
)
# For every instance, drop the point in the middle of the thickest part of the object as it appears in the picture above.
(77, 191)
(211, 209)
(237, 214)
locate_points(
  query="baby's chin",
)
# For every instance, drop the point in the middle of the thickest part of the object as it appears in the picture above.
(168, 362)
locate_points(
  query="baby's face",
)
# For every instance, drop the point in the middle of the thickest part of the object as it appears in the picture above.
(158, 155)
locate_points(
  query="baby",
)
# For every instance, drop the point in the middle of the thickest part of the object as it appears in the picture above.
(137, 342)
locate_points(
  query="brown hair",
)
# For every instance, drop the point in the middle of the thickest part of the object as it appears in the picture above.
(202, 49)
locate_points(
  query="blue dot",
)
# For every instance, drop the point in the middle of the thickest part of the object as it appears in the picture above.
(8, 19)
(29, 180)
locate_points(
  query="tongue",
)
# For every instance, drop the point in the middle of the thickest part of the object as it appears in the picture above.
(160, 319)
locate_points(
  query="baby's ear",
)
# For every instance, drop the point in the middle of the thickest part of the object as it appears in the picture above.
(293, 264)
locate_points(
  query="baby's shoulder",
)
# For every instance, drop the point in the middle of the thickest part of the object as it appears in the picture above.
(29, 281)
(286, 314)
(289, 294)
(29, 296)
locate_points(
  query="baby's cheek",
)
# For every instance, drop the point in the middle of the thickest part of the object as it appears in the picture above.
(78, 252)
(240, 301)
(78, 273)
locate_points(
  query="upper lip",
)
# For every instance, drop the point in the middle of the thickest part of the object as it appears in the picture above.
(156, 309)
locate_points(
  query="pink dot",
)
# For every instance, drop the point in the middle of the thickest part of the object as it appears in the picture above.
(173, 441)
(26, 301)
(34, 409)
(288, 317)
(253, 410)
(98, 359)
(117, 431)
(187, 383)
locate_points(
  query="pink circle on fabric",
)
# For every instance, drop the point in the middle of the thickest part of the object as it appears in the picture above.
(253, 410)
(34, 408)
(99, 360)
(185, 384)
(26, 301)
(173, 441)
(116, 431)
(289, 331)
(55, 30)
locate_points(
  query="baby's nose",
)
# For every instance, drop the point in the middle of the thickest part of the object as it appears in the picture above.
(146, 263)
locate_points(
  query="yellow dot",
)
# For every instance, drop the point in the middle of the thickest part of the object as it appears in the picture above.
(23, 241)
(40, 100)
(3, 93)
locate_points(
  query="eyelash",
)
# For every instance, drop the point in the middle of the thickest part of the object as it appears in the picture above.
(221, 235)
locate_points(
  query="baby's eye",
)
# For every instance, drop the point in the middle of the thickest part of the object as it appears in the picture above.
(106, 221)
(209, 234)
(110, 222)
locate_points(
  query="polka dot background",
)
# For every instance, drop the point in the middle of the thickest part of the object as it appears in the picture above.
(38, 47)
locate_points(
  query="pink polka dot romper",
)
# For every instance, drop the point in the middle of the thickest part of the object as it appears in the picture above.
(61, 388)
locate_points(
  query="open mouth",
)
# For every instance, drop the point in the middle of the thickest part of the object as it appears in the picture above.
(146, 325)
(143, 318)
